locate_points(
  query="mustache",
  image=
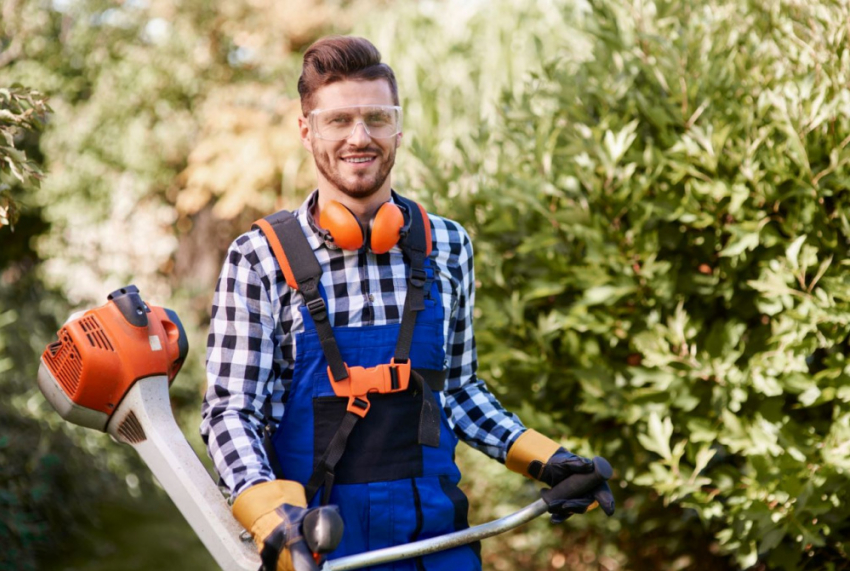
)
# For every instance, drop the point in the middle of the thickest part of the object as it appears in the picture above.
(367, 149)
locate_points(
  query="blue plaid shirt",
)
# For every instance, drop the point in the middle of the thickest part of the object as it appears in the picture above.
(251, 346)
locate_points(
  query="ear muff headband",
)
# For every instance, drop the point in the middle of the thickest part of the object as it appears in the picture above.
(347, 231)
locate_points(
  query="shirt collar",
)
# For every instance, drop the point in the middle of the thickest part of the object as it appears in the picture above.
(315, 235)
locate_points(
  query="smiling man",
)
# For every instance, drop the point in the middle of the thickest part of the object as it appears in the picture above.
(341, 358)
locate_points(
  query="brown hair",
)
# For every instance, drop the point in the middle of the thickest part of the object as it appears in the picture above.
(337, 58)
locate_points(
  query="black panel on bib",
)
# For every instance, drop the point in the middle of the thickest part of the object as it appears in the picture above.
(385, 445)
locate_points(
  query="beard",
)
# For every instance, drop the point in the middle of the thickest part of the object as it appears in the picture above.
(357, 185)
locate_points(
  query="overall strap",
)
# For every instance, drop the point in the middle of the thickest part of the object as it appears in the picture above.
(303, 273)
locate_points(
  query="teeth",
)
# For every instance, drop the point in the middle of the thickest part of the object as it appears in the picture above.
(359, 160)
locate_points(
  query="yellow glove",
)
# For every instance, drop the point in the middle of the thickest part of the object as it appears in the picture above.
(273, 512)
(530, 447)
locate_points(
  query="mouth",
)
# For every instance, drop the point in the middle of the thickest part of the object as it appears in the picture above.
(360, 160)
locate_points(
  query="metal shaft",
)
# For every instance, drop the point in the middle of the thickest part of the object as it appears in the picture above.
(440, 543)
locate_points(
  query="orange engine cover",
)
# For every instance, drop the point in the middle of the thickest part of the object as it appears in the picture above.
(100, 354)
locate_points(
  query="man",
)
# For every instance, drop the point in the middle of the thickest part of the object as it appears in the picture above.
(345, 332)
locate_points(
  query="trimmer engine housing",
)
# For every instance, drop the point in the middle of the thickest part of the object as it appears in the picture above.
(100, 353)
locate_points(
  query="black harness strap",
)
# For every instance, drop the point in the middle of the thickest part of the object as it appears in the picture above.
(427, 380)
(429, 414)
(323, 473)
(436, 380)
(414, 247)
(308, 273)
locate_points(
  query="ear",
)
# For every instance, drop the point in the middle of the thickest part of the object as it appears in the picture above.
(304, 131)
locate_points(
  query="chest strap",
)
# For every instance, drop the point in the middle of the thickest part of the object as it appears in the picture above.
(303, 273)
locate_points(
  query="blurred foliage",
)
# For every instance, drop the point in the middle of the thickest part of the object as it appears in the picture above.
(49, 485)
(657, 192)
(124, 536)
(162, 112)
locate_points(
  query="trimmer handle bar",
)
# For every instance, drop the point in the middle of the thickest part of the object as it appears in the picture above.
(575, 486)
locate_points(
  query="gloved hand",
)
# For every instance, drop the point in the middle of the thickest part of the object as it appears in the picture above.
(273, 513)
(560, 466)
(538, 457)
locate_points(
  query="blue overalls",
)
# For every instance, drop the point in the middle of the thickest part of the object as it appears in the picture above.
(390, 489)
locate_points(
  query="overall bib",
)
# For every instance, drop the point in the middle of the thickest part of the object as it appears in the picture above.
(390, 488)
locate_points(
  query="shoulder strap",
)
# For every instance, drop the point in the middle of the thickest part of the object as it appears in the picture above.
(283, 231)
(419, 233)
(271, 228)
(416, 245)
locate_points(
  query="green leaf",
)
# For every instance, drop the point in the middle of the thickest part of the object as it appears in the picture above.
(606, 294)
(658, 436)
(792, 252)
(617, 144)
(771, 539)
(704, 456)
(741, 242)
(701, 430)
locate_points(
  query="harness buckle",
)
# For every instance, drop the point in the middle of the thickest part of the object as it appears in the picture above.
(418, 277)
(382, 379)
(318, 309)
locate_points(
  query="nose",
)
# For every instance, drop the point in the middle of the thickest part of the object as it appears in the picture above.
(359, 134)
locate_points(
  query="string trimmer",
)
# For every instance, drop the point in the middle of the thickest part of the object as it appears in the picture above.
(111, 369)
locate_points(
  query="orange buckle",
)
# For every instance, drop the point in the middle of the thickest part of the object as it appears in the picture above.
(391, 377)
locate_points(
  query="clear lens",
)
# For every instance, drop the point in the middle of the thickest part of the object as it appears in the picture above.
(380, 121)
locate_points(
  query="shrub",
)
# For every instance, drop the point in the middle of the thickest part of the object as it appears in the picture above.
(660, 214)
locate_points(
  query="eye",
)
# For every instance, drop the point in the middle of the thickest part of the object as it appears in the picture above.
(338, 119)
(378, 118)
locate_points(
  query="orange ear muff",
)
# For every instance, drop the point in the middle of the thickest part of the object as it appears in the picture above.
(386, 228)
(347, 232)
(342, 225)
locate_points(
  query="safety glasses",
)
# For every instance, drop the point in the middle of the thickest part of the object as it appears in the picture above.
(379, 121)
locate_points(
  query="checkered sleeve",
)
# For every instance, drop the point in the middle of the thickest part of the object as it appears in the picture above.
(240, 354)
(477, 416)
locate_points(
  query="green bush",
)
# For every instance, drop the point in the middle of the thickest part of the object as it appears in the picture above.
(660, 212)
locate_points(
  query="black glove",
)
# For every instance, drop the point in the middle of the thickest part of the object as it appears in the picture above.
(560, 466)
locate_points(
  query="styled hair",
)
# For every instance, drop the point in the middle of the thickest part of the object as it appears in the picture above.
(337, 58)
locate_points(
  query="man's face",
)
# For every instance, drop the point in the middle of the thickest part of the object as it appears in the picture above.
(359, 165)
